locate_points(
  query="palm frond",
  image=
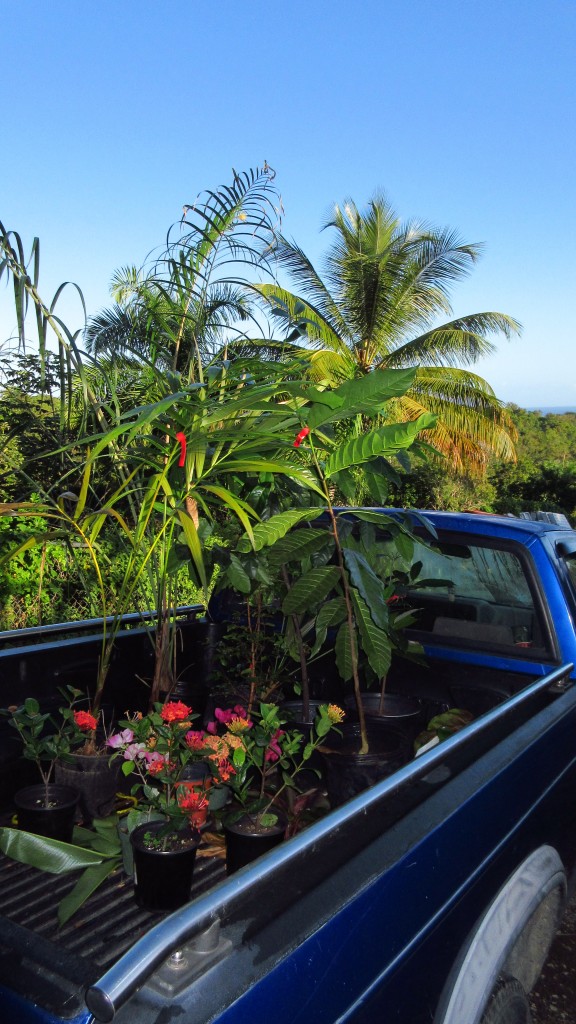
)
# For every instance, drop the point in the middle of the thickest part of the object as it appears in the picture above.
(462, 340)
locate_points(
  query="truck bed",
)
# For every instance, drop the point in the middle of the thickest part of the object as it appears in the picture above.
(359, 854)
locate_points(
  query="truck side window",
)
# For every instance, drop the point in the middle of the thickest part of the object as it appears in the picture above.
(475, 592)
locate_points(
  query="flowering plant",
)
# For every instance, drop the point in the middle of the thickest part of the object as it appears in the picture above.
(157, 748)
(259, 758)
(46, 738)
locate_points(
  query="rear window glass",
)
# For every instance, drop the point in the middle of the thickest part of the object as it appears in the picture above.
(475, 592)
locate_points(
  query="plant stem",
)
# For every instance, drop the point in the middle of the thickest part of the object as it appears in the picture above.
(364, 745)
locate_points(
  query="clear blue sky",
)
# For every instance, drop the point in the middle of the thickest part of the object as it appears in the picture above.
(117, 112)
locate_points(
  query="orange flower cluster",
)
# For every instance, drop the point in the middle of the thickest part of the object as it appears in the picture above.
(175, 711)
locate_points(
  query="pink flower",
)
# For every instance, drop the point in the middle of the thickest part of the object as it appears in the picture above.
(119, 739)
(134, 750)
(212, 728)
(153, 758)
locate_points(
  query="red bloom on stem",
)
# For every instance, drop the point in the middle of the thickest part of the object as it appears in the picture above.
(274, 751)
(300, 437)
(192, 800)
(182, 439)
(85, 721)
(175, 711)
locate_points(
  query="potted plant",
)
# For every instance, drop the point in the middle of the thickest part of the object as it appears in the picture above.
(48, 808)
(260, 759)
(157, 749)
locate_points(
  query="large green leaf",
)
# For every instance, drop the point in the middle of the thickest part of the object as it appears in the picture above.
(375, 642)
(379, 386)
(310, 589)
(331, 614)
(299, 544)
(238, 577)
(269, 466)
(273, 529)
(194, 545)
(48, 854)
(346, 648)
(380, 441)
(369, 585)
(88, 882)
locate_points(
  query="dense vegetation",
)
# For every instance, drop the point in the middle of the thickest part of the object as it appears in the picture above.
(104, 514)
(543, 477)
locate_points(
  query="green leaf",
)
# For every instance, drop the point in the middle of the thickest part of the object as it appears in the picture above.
(362, 395)
(49, 855)
(311, 589)
(275, 528)
(331, 614)
(370, 586)
(376, 387)
(88, 882)
(298, 545)
(238, 577)
(374, 641)
(381, 441)
(194, 545)
(268, 820)
(344, 649)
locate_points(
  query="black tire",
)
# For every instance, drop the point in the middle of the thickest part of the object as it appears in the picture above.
(508, 1004)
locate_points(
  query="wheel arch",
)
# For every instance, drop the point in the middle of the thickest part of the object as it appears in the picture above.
(512, 938)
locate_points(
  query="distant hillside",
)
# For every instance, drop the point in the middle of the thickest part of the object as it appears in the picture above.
(555, 410)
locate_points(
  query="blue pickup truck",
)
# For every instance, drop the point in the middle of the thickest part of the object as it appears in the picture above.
(430, 898)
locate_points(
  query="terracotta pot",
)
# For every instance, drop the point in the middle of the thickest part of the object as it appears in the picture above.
(245, 842)
(163, 878)
(47, 810)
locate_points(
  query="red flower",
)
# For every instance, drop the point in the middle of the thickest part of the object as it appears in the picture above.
(175, 711)
(274, 751)
(192, 800)
(182, 439)
(300, 437)
(195, 739)
(85, 721)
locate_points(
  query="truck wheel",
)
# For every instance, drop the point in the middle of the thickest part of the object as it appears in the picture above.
(508, 1004)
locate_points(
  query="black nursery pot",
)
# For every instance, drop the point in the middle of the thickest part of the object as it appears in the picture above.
(348, 772)
(47, 810)
(163, 878)
(245, 842)
(96, 780)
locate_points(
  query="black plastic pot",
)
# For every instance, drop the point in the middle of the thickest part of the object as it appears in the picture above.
(405, 713)
(347, 772)
(47, 810)
(163, 878)
(95, 779)
(245, 842)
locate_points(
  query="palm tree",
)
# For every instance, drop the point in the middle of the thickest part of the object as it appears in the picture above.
(385, 286)
(178, 312)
